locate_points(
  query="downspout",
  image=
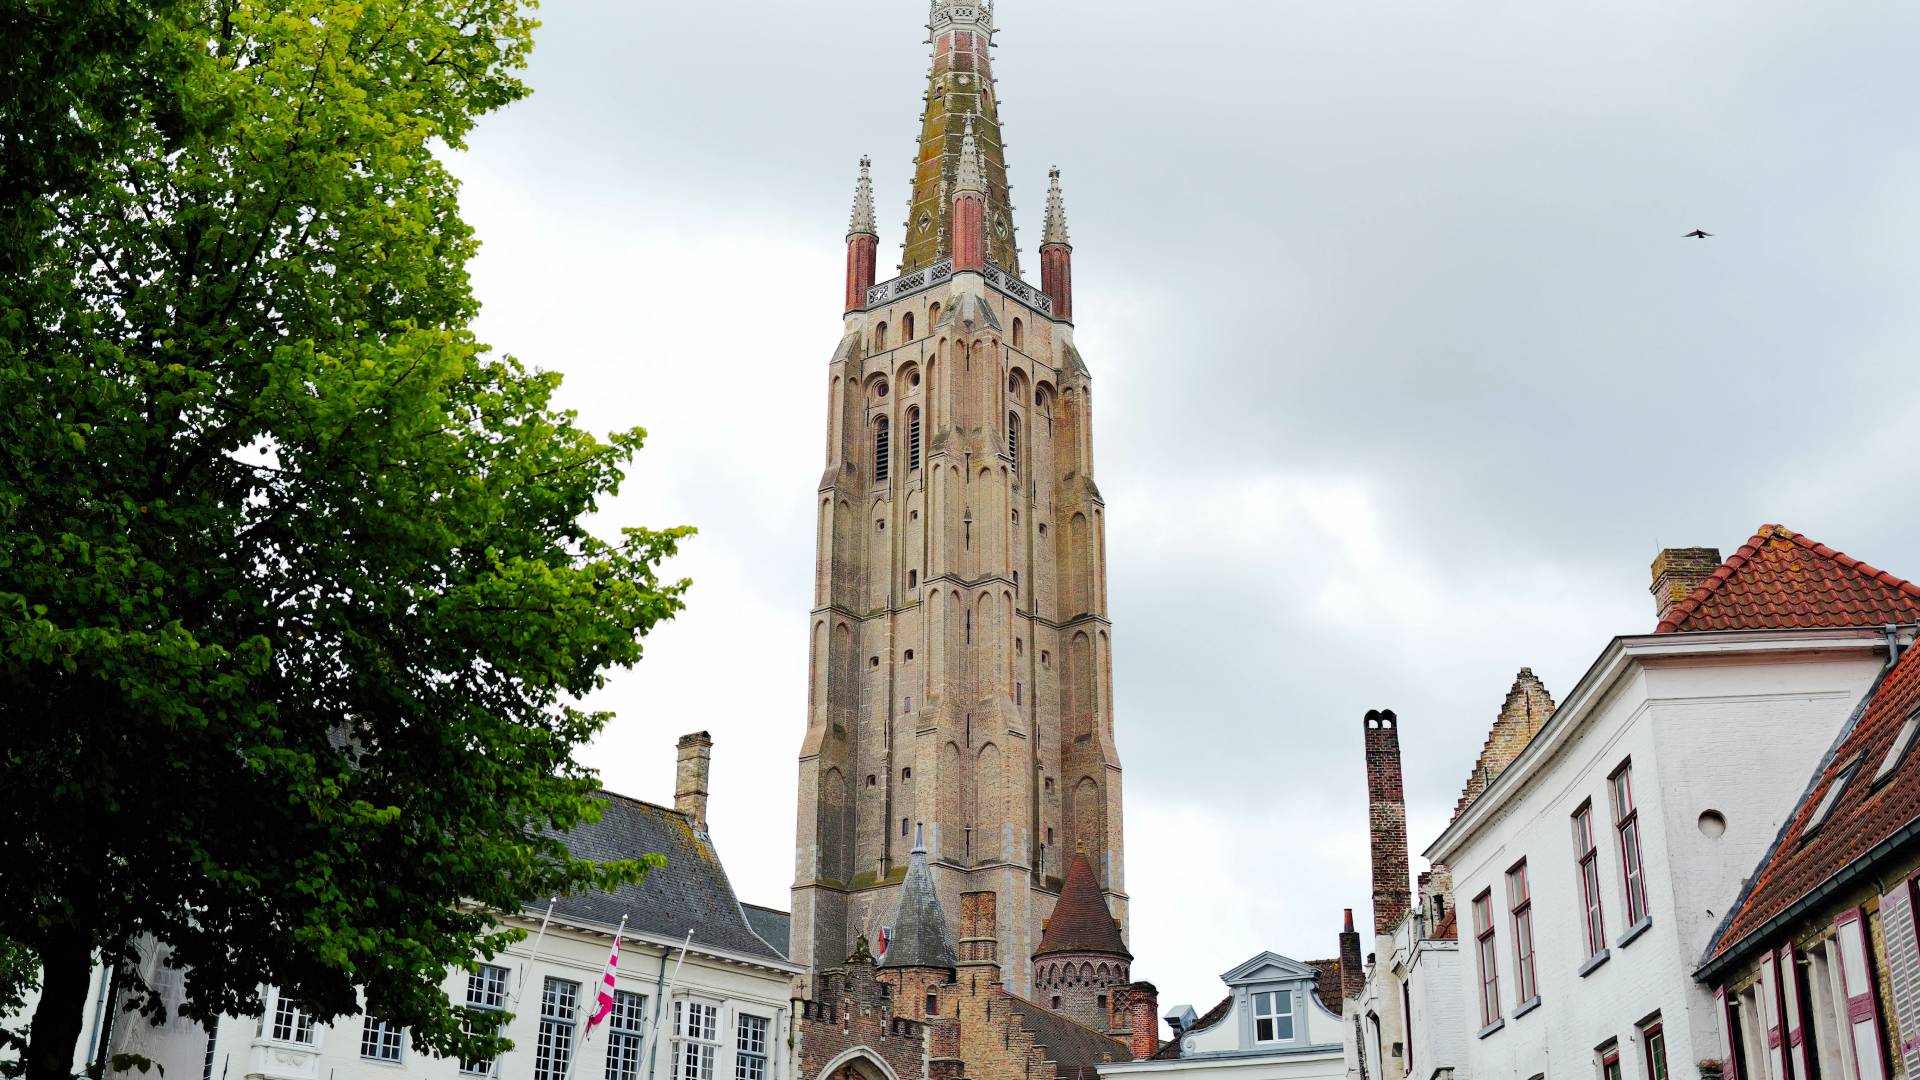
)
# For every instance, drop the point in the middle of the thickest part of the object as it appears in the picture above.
(1893, 644)
(659, 1003)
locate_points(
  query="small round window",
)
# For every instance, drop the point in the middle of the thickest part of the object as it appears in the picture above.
(880, 389)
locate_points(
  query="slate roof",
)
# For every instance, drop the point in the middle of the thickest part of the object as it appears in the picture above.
(1783, 580)
(1074, 1049)
(920, 937)
(691, 892)
(1862, 819)
(774, 927)
(1081, 922)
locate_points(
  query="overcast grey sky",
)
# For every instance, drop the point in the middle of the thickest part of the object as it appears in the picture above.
(1404, 371)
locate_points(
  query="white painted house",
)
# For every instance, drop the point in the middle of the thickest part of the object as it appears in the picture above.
(722, 1014)
(1594, 871)
(1408, 1022)
(1272, 1025)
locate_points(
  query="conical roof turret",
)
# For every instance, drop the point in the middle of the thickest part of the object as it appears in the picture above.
(920, 936)
(861, 222)
(1081, 922)
(1055, 230)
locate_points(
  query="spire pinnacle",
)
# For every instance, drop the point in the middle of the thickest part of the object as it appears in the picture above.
(920, 937)
(971, 173)
(1055, 231)
(862, 221)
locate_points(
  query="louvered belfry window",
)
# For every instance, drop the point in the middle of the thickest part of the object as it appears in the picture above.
(913, 440)
(881, 430)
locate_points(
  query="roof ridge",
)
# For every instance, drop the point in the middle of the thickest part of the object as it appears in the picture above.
(1678, 615)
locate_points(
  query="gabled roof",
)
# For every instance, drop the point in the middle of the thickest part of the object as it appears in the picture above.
(1267, 966)
(1171, 1048)
(691, 892)
(1862, 819)
(1081, 922)
(1527, 709)
(1783, 580)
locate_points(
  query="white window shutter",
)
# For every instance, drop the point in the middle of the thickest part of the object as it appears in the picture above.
(1725, 1009)
(1767, 992)
(1897, 914)
(1790, 1006)
(1862, 1010)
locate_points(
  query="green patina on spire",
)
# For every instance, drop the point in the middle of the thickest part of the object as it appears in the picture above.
(960, 88)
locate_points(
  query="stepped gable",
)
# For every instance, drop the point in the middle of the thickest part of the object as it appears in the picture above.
(1864, 816)
(1074, 1049)
(1081, 922)
(691, 892)
(1527, 709)
(1782, 580)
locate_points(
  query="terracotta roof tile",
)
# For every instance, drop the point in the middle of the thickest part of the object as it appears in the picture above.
(1862, 817)
(1783, 580)
(1326, 983)
(1449, 928)
(1081, 922)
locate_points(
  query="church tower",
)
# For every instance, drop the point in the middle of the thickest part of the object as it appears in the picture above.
(961, 662)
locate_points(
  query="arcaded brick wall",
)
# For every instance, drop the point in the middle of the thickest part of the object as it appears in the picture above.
(1387, 821)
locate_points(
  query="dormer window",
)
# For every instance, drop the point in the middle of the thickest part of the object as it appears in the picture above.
(1273, 1016)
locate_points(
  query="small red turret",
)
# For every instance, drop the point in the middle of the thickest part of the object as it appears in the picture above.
(970, 207)
(863, 242)
(1056, 254)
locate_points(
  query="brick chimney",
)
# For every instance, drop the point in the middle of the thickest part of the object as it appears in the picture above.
(1143, 1005)
(1353, 975)
(1387, 822)
(1679, 571)
(690, 778)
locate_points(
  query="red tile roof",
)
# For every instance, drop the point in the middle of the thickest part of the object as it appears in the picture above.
(1326, 983)
(1783, 580)
(1863, 816)
(1449, 928)
(1081, 922)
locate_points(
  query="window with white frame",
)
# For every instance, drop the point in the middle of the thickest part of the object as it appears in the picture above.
(291, 1024)
(1520, 904)
(379, 1040)
(750, 1048)
(1897, 753)
(696, 1039)
(1828, 800)
(553, 1053)
(486, 992)
(1587, 858)
(1626, 824)
(625, 1032)
(1273, 1016)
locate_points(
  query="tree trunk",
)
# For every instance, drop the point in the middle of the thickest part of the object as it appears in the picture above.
(66, 969)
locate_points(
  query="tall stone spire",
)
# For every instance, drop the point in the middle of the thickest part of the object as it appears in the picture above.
(960, 90)
(863, 240)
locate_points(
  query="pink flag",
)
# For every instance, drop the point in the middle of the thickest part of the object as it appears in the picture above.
(605, 1004)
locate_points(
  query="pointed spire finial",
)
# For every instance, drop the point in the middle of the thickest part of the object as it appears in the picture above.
(1055, 231)
(862, 222)
(972, 172)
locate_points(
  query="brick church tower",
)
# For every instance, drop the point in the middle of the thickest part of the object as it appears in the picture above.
(961, 663)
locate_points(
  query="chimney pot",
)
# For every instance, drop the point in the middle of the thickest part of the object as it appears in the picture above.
(1143, 1016)
(1679, 571)
(690, 778)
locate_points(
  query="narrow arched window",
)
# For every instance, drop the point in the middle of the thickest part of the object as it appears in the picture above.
(1013, 441)
(933, 315)
(879, 336)
(906, 327)
(913, 439)
(880, 448)
(1019, 334)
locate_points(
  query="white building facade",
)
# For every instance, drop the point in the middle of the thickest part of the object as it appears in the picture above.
(1409, 1021)
(1594, 871)
(1272, 1025)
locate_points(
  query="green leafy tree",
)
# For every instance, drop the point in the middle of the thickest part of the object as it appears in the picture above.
(296, 595)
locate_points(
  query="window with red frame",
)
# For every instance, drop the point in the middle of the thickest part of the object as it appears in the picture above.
(1520, 903)
(1589, 863)
(1489, 967)
(1626, 823)
(1610, 1063)
(1653, 1038)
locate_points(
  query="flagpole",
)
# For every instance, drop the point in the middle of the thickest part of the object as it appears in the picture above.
(610, 982)
(653, 1045)
(513, 1006)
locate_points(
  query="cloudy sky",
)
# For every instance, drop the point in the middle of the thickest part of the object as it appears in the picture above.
(1404, 370)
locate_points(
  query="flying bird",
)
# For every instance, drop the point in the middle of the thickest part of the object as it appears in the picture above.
(1698, 234)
